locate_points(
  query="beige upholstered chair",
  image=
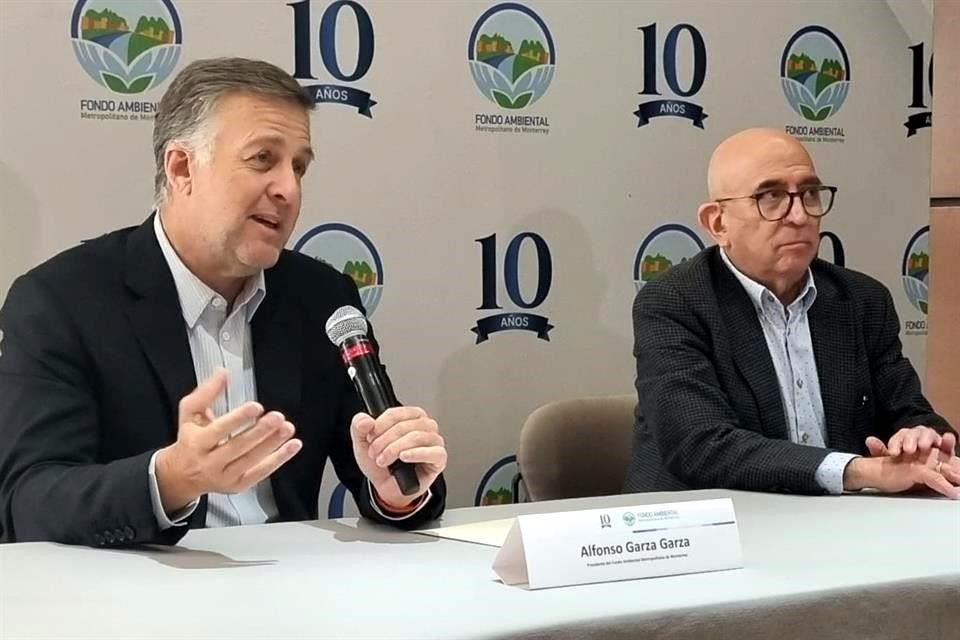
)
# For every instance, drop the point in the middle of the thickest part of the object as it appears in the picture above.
(577, 448)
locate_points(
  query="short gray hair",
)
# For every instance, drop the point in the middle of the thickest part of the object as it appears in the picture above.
(185, 110)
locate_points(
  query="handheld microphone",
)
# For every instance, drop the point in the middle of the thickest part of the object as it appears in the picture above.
(347, 329)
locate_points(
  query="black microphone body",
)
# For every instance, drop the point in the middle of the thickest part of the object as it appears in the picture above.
(364, 368)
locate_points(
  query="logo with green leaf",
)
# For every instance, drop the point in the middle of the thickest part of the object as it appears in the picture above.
(127, 46)
(815, 73)
(511, 55)
(350, 251)
(915, 270)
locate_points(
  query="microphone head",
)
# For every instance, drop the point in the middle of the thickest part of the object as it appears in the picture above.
(345, 322)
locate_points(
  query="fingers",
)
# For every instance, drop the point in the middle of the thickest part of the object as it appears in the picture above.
(411, 440)
(435, 456)
(200, 419)
(215, 433)
(269, 464)
(198, 401)
(235, 464)
(398, 430)
(895, 446)
(939, 483)
(361, 427)
(876, 447)
(272, 427)
(913, 441)
(364, 430)
(948, 445)
(932, 475)
(232, 452)
(951, 470)
(908, 444)
(927, 439)
(248, 453)
(393, 416)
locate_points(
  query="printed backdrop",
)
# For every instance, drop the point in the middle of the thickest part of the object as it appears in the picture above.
(499, 179)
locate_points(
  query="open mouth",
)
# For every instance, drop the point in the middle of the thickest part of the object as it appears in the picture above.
(269, 223)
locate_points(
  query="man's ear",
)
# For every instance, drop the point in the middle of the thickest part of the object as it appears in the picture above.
(710, 216)
(178, 166)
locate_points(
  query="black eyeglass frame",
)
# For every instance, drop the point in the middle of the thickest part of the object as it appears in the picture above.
(791, 195)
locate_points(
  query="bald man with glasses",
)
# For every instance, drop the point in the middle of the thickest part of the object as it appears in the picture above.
(761, 367)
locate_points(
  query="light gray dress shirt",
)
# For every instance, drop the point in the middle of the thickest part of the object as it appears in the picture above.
(787, 334)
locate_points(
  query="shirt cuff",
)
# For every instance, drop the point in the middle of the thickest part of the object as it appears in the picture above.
(424, 499)
(829, 474)
(178, 519)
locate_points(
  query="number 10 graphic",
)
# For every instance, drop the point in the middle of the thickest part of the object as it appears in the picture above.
(513, 320)
(651, 65)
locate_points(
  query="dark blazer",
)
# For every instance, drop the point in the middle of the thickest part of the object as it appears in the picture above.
(709, 411)
(94, 360)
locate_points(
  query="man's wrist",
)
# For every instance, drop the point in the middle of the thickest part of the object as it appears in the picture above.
(393, 509)
(175, 494)
(855, 474)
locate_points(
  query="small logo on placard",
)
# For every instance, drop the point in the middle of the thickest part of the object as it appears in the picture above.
(605, 521)
(815, 78)
(351, 252)
(663, 248)
(915, 272)
(629, 519)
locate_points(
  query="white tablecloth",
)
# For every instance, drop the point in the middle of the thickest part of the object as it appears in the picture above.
(818, 568)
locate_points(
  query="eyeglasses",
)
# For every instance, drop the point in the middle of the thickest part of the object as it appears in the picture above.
(775, 204)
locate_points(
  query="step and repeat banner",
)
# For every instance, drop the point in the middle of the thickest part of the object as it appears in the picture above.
(499, 178)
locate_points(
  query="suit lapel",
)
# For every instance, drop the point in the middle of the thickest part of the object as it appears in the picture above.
(154, 311)
(749, 348)
(832, 331)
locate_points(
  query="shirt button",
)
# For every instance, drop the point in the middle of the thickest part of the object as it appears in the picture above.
(805, 438)
(800, 382)
(225, 336)
(218, 302)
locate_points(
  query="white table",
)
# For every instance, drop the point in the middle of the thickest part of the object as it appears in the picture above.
(818, 568)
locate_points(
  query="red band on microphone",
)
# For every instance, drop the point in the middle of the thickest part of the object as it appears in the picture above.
(361, 348)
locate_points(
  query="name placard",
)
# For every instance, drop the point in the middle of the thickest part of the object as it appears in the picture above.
(620, 543)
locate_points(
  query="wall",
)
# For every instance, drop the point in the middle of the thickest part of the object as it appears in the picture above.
(426, 181)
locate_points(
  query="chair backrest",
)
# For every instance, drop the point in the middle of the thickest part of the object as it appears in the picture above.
(577, 448)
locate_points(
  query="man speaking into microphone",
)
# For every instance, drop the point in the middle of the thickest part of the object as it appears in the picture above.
(176, 374)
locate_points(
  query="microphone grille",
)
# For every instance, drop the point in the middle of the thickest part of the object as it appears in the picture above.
(345, 322)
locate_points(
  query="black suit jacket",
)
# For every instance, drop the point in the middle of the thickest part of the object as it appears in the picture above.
(94, 360)
(709, 410)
